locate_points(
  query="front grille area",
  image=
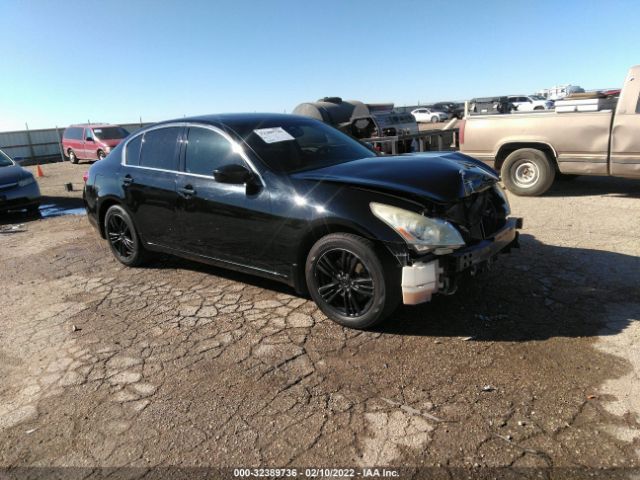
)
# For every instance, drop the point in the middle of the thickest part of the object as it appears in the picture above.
(478, 216)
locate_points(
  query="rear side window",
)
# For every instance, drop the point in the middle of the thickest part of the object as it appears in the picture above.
(159, 148)
(73, 133)
(208, 150)
(132, 151)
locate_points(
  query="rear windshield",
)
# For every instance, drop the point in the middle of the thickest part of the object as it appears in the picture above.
(293, 145)
(5, 161)
(110, 133)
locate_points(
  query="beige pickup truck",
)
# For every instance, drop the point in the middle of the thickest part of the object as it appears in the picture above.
(531, 149)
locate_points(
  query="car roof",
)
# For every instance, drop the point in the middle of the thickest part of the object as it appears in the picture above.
(93, 125)
(237, 119)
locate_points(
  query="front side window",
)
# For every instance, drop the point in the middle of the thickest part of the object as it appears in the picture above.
(110, 133)
(208, 150)
(88, 134)
(159, 148)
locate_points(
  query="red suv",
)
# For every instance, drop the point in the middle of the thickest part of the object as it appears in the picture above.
(91, 141)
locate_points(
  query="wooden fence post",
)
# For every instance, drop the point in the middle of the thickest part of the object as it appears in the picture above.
(60, 143)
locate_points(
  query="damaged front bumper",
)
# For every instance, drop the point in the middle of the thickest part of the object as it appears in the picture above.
(423, 278)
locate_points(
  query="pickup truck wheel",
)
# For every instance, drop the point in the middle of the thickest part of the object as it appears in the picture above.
(527, 172)
(348, 281)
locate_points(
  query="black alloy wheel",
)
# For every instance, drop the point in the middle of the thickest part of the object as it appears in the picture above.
(350, 282)
(122, 237)
(344, 282)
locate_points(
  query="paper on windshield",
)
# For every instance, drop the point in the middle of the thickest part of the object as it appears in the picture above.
(273, 135)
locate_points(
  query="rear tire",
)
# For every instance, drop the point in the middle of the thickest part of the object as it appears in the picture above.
(348, 281)
(123, 239)
(72, 157)
(528, 172)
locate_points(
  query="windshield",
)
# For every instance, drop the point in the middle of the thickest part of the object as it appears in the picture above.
(110, 133)
(537, 97)
(292, 145)
(5, 161)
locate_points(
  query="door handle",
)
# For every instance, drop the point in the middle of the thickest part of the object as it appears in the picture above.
(187, 191)
(127, 180)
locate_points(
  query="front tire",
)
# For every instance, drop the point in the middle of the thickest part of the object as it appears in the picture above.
(33, 209)
(348, 282)
(528, 172)
(434, 119)
(72, 157)
(101, 155)
(123, 239)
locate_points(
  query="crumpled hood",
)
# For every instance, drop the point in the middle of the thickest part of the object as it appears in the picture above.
(440, 176)
(12, 174)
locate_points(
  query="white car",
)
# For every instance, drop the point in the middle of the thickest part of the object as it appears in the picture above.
(426, 115)
(529, 103)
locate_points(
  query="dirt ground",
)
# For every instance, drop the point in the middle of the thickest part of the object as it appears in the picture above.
(533, 365)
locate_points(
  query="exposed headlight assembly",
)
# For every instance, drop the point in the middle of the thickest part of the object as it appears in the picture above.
(422, 233)
(503, 195)
(26, 181)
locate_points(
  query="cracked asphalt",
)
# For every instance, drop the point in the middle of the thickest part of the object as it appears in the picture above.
(533, 364)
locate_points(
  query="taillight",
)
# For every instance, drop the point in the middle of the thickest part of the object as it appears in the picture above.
(463, 122)
(85, 177)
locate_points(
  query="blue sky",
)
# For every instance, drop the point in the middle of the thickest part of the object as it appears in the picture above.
(69, 61)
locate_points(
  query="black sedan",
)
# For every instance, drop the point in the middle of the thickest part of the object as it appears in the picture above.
(18, 189)
(295, 200)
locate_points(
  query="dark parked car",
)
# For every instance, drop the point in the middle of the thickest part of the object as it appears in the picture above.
(451, 108)
(293, 199)
(18, 188)
(91, 141)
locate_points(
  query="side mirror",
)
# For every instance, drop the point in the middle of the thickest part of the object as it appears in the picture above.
(233, 173)
(89, 139)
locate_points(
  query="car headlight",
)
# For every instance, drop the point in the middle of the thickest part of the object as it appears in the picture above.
(420, 232)
(503, 195)
(26, 181)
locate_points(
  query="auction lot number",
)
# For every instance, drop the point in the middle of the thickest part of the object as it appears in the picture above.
(314, 472)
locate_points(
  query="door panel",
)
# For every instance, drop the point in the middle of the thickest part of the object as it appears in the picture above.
(149, 182)
(625, 146)
(88, 147)
(151, 198)
(220, 220)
